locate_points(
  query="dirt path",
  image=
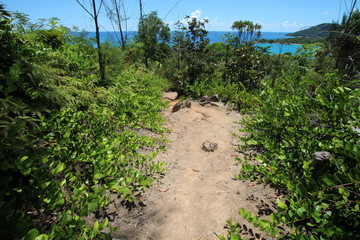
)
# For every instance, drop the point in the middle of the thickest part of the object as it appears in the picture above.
(198, 193)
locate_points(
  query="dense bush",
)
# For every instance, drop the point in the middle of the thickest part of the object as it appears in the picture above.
(297, 117)
(66, 143)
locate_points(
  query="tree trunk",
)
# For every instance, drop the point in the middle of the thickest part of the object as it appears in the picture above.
(101, 59)
(143, 29)
(118, 15)
(141, 14)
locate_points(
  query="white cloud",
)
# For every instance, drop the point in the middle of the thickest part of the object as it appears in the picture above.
(287, 24)
(326, 13)
(196, 14)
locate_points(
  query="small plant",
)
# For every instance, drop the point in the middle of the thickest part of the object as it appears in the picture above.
(234, 232)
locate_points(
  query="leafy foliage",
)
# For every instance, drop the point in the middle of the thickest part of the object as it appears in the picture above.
(294, 40)
(305, 106)
(295, 120)
(234, 94)
(154, 35)
(248, 66)
(346, 44)
(190, 52)
(247, 31)
(66, 142)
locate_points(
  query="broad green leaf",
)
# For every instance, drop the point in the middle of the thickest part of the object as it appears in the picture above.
(92, 206)
(95, 230)
(251, 142)
(264, 223)
(27, 171)
(63, 182)
(345, 194)
(42, 237)
(235, 237)
(106, 222)
(242, 212)
(317, 218)
(291, 214)
(60, 167)
(281, 205)
(45, 185)
(32, 234)
(67, 133)
(300, 211)
(310, 224)
(98, 176)
(326, 179)
(274, 231)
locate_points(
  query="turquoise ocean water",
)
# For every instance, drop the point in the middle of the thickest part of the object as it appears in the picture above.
(217, 36)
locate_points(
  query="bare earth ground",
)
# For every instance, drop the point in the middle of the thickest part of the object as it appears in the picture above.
(197, 194)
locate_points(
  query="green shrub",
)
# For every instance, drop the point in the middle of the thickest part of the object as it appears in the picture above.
(66, 144)
(295, 120)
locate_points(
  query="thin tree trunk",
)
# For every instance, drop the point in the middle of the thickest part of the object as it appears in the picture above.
(350, 15)
(101, 59)
(142, 26)
(95, 17)
(226, 62)
(118, 15)
(141, 13)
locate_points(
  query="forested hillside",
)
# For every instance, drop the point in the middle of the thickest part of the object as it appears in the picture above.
(71, 112)
(321, 30)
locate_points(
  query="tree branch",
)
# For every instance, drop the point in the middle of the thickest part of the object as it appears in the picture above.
(85, 8)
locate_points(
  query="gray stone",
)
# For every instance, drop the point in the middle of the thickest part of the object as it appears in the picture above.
(214, 98)
(224, 100)
(170, 95)
(209, 146)
(187, 104)
(320, 163)
(204, 99)
(215, 104)
(321, 156)
(176, 107)
(356, 130)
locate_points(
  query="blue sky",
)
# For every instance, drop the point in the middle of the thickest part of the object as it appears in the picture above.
(273, 15)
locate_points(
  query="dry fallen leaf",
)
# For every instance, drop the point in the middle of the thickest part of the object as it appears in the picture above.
(195, 170)
(163, 190)
(251, 185)
(140, 198)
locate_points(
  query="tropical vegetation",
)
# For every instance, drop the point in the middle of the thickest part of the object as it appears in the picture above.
(71, 125)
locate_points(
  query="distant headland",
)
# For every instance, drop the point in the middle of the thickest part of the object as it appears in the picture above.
(313, 34)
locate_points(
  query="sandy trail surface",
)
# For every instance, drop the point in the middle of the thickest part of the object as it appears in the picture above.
(198, 193)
